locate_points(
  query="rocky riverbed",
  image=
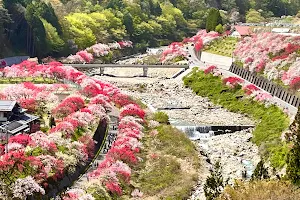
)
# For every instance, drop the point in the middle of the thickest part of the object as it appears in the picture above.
(236, 153)
(170, 93)
(233, 150)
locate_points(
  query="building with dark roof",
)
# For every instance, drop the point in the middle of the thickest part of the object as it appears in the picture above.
(14, 119)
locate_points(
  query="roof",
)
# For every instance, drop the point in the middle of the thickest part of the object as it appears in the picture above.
(7, 105)
(13, 127)
(25, 118)
(243, 30)
(19, 124)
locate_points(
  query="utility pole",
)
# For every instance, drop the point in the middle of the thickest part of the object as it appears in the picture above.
(6, 146)
(4, 130)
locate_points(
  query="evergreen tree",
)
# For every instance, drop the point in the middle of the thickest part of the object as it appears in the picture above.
(128, 22)
(40, 47)
(47, 12)
(151, 7)
(213, 20)
(157, 11)
(254, 16)
(214, 184)
(260, 172)
(116, 4)
(4, 16)
(54, 42)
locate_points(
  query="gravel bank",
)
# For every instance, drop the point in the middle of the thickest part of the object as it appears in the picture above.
(165, 93)
(234, 151)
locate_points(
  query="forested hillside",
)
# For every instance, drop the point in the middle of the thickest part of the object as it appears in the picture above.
(60, 27)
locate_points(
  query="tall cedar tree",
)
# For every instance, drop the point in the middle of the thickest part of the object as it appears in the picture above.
(213, 20)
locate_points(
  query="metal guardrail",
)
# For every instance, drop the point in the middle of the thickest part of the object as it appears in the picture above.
(267, 85)
(145, 67)
(126, 66)
(127, 57)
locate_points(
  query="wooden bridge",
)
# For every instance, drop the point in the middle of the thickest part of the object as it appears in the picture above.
(101, 67)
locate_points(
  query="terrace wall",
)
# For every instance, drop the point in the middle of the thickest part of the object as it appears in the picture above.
(222, 61)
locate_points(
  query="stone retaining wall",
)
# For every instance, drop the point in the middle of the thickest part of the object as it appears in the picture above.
(222, 61)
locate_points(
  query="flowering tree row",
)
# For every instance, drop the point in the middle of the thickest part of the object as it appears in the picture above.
(33, 160)
(33, 97)
(235, 82)
(273, 55)
(201, 39)
(114, 171)
(97, 50)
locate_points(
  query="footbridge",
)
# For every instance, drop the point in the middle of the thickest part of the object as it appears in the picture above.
(145, 68)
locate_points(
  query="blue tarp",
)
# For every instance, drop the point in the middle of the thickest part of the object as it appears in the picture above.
(12, 60)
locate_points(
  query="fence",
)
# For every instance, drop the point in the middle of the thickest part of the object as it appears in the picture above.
(144, 67)
(267, 85)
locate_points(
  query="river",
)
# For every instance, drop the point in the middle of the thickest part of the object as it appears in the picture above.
(235, 151)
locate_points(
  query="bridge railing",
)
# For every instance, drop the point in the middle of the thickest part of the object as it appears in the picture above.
(267, 85)
(145, 67)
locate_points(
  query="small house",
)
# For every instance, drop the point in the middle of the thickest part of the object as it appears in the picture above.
(241, 31)
(14, 119)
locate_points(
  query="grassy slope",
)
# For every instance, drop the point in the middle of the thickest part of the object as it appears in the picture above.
(223, 47)
(271, 121)
(169, 165)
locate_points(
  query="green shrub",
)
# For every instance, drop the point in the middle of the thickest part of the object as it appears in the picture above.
(45, 129)
(161, 117)
(179, 58)
(293, 164)
(219, 28)
(223, 46)
(98, 192)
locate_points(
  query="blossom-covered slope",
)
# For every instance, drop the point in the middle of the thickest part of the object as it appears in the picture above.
(33, 160)
(273, 55)
(179, 49)
(97, 50)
